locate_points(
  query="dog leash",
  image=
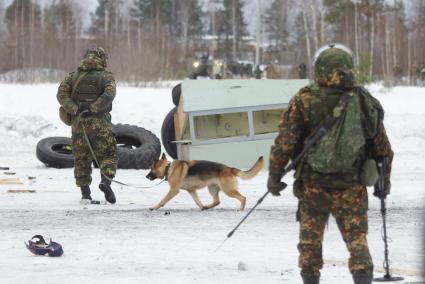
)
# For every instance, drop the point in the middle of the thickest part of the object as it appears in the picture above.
(79, 121)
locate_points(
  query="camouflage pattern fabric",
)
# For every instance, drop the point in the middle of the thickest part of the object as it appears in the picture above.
(103, 102)
(349, 208)
(97, 91)
(99, 132)
(340, 148)
(334, 67)
(348, 203)
(298, 121)
(64, 95)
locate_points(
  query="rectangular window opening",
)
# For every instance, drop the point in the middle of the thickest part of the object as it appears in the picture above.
(223, 125)
(266, 121)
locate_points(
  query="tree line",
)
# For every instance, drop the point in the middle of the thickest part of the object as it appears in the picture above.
(386, 36)
(159, 39)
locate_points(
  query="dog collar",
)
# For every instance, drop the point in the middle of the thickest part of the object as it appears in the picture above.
(167, 168)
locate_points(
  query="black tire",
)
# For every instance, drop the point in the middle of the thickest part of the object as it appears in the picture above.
(176, 93)
(168, 134)
(137, 147)
(55, 152)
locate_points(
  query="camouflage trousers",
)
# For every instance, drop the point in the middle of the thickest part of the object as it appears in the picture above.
(99, 132)
(349, 208)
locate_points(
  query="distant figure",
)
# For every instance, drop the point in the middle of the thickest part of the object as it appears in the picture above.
(272, 73)
(302, 71)
(257, 72)
(217, 69)
(398, 74)
(87, 96)
(421, 74)
(415, 73)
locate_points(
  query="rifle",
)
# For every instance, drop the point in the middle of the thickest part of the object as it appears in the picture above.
(314, 136)
(380, 192)
(308, 144)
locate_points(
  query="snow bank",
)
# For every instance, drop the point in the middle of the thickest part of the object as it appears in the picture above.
(29, 113)
(404, 120)
(35, 75)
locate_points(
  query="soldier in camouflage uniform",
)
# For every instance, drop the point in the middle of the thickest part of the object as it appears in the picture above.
(302, 71)
(319, 194)
(90, 105)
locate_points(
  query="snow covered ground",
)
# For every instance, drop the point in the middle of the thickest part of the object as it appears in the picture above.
(127, 243)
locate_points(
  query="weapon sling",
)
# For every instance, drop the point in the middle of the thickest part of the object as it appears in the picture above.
(64, 116)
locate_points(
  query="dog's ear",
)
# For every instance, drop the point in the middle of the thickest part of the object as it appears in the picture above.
(163, 156)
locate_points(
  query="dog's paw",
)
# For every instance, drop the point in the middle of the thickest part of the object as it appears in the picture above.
(152, 209)
(204, 208)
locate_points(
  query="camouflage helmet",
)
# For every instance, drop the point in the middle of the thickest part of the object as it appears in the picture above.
(98, 52)
(330, 59)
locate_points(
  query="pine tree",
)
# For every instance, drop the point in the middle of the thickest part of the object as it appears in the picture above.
(230, 21)
(61, 31)
(196, 26)
(2, 16)
(3, 54)
(51, 31)
(62, 15)
(155, 13)
(299, 40)
(189, 21)
(420, 22)
(107, 17)
(276, 24)
(336, 13)
(22, 18)
(2, 21)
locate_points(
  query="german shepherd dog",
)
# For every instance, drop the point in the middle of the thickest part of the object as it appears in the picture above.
(194, 175)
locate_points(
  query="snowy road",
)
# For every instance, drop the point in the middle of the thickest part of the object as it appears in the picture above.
(127, 243)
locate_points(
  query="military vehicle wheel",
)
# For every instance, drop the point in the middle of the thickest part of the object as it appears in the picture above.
(176, 93)
(168, 134)
(137, 147)
(55, 152)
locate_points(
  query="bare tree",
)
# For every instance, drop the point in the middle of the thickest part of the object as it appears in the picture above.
(356, 31)
(313, 8)
(307, 36)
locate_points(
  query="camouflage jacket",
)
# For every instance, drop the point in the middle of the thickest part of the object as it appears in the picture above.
(295, 126)
(107, 86)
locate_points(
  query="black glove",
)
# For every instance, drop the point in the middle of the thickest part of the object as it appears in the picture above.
(382, 194)
(379, 192)
(84, 111)
(274, 185)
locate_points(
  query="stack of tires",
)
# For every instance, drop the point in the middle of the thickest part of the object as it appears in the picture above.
(137, 148)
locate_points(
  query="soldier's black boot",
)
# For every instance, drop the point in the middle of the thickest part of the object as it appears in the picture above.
(310, 279)
(105, 186)
(362, 278)
(85, 192)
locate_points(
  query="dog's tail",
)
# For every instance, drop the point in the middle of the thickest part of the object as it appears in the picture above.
(252, 172)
